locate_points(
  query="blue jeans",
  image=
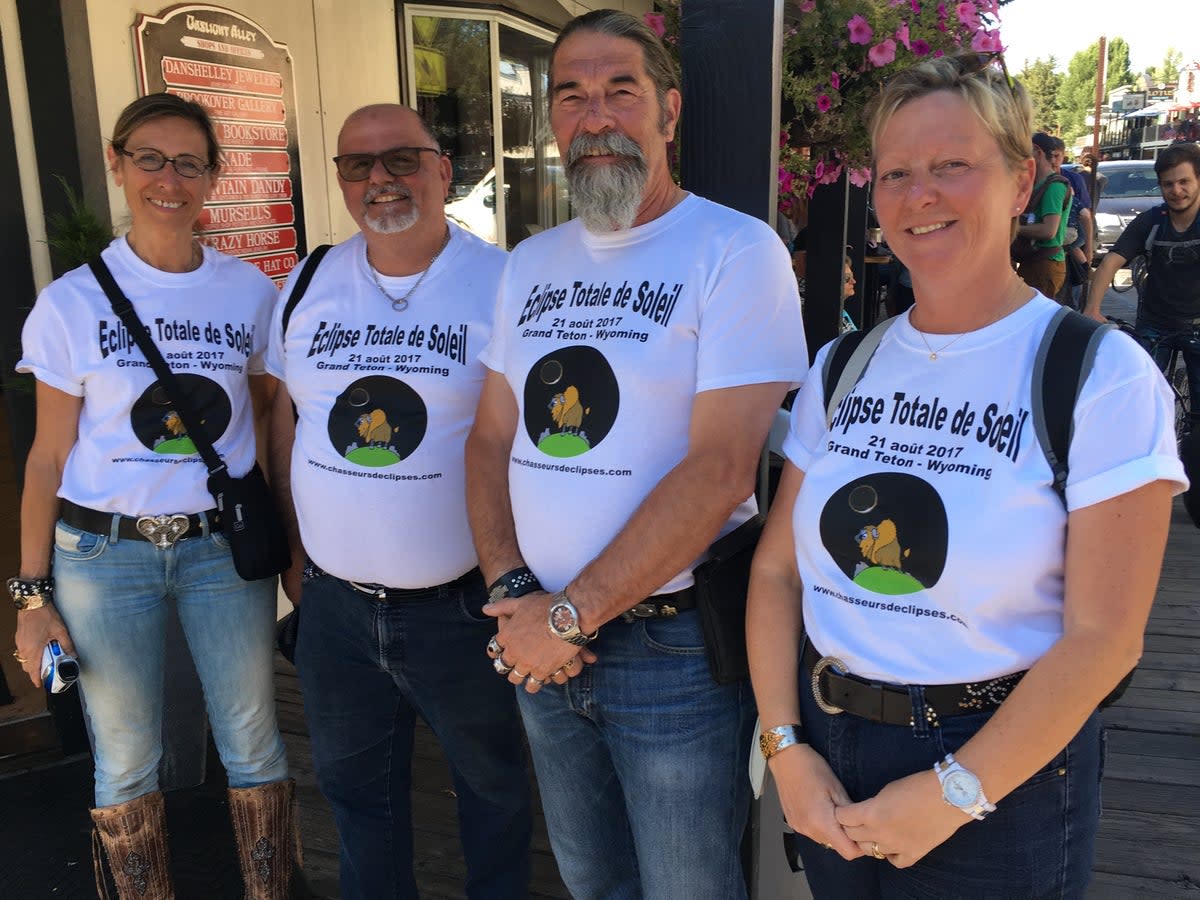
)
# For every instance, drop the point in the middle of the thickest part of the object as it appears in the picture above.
(113, 596)
(1038, 844)
(641, 762)
(367, 670)
(1160, 340)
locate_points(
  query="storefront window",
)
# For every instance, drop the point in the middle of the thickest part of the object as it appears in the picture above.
(480, 78)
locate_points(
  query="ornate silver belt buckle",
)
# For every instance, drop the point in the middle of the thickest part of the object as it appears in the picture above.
(826, 662)
(163, 531)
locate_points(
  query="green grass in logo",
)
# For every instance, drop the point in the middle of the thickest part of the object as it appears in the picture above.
(374, 457)
(563, 445)
(180, 446)
(887, 581)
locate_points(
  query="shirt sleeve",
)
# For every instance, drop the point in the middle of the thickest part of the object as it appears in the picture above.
(750, 326)
(47, 347)
(807, 428)
(492, 354)
(1054, 198)
(1133, 239)
(267, 295)
(1081, 191)
(1124, 427)
(274, 358)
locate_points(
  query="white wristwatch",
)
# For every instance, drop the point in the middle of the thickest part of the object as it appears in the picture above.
(961, 789)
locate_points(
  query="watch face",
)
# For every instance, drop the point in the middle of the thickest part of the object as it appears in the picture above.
(961, 789)
(562, 618)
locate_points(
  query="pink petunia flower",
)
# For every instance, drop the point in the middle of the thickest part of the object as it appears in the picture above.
(824, 103)
(968, 15)
(860, 31)
(860, 177)
(657, 22)
(831, 174)
(808, 5)
(986, 42)
(938, 54)
(941, 17)
(785, 181)
(902, 35)
(920, 47)
(819, 171)
(882, 53)
(915, 7)
(835, 80)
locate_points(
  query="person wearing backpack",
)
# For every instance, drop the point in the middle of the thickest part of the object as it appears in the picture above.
(936, 609)
(1168, 315)
(1038, 248)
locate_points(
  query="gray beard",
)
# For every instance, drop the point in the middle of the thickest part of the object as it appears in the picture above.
(606, 198)
(389, 223)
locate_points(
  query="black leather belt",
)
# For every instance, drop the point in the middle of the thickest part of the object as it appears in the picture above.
(162, 531)
(661, 606)
(385, 594)
(836, 690)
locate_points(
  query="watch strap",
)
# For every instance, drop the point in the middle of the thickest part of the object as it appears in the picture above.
(514, 583)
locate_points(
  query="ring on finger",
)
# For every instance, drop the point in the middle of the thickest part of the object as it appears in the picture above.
(18, 657)
(520, 674)
(501, 666)
(533, 679)
(876, 852)
(494, 647)
(559, 671)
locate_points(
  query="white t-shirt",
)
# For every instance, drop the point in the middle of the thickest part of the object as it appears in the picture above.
(133, 454)
(605, 341)
(928, 537)
(385, 401)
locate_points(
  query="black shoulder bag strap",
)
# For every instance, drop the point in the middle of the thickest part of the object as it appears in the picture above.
(170, 383)
(301, 285)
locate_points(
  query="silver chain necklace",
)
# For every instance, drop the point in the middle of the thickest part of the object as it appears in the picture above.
(934, 353)
(400, 304)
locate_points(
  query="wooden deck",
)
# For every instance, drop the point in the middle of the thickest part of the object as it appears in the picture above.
(1149, 837)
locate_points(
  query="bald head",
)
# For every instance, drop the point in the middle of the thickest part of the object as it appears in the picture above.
(385, 114)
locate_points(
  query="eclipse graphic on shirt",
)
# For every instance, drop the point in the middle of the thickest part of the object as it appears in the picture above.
(888, 532)
(571, 401)
(377, 421)
(157, 422)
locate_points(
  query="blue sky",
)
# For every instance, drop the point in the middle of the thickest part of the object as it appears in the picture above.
(1033, 29)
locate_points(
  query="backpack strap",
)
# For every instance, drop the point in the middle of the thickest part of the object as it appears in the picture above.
(1159, 219)
(301, 285)
(846, 362)
(1063, 362)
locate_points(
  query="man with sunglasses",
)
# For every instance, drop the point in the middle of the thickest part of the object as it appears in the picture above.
(379, 356)
(1168, 315)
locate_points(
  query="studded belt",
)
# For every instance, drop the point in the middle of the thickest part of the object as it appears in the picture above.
(162, 531)
(836, 691)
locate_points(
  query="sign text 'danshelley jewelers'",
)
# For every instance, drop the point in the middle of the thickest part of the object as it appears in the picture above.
(230, 66)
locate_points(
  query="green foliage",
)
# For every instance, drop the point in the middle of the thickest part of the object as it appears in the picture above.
(1077, 93)
(77, 236)
(1042, 82)
(1167, 71)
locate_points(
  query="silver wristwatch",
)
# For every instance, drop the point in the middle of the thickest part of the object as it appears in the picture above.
(961, 789)
(563, 621)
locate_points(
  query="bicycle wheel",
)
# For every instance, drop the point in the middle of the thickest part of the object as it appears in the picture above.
(1183, 400)
(1138, 272)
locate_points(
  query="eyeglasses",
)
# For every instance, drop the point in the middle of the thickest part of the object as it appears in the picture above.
(148, 160)
(397, 161)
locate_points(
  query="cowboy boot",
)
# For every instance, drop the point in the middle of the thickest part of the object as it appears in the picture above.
(134, 837)
(264, 823)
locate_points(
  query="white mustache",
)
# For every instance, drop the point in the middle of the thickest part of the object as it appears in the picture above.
(606, 142)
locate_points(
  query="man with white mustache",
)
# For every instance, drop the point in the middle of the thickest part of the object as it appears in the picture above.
(379, 357)
(638, 357)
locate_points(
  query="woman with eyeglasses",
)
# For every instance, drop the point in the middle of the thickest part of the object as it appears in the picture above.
(116, 518)
(932, 626)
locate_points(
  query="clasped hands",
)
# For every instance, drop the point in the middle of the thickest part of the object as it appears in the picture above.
(525, 651)
(901, 824)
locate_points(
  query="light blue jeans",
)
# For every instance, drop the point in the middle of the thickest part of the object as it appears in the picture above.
(113, 596)
(641, 762)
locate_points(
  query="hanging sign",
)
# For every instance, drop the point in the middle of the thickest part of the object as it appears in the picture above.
(229, 65)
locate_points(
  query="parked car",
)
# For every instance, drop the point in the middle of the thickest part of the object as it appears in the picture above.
(1132, 188)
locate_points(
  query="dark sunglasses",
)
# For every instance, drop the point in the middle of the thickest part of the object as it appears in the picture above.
(974, 63)
(149, 160)
(397, 161)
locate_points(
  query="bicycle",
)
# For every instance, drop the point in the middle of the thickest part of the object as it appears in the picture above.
(1137, 276)
(1176, 375)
